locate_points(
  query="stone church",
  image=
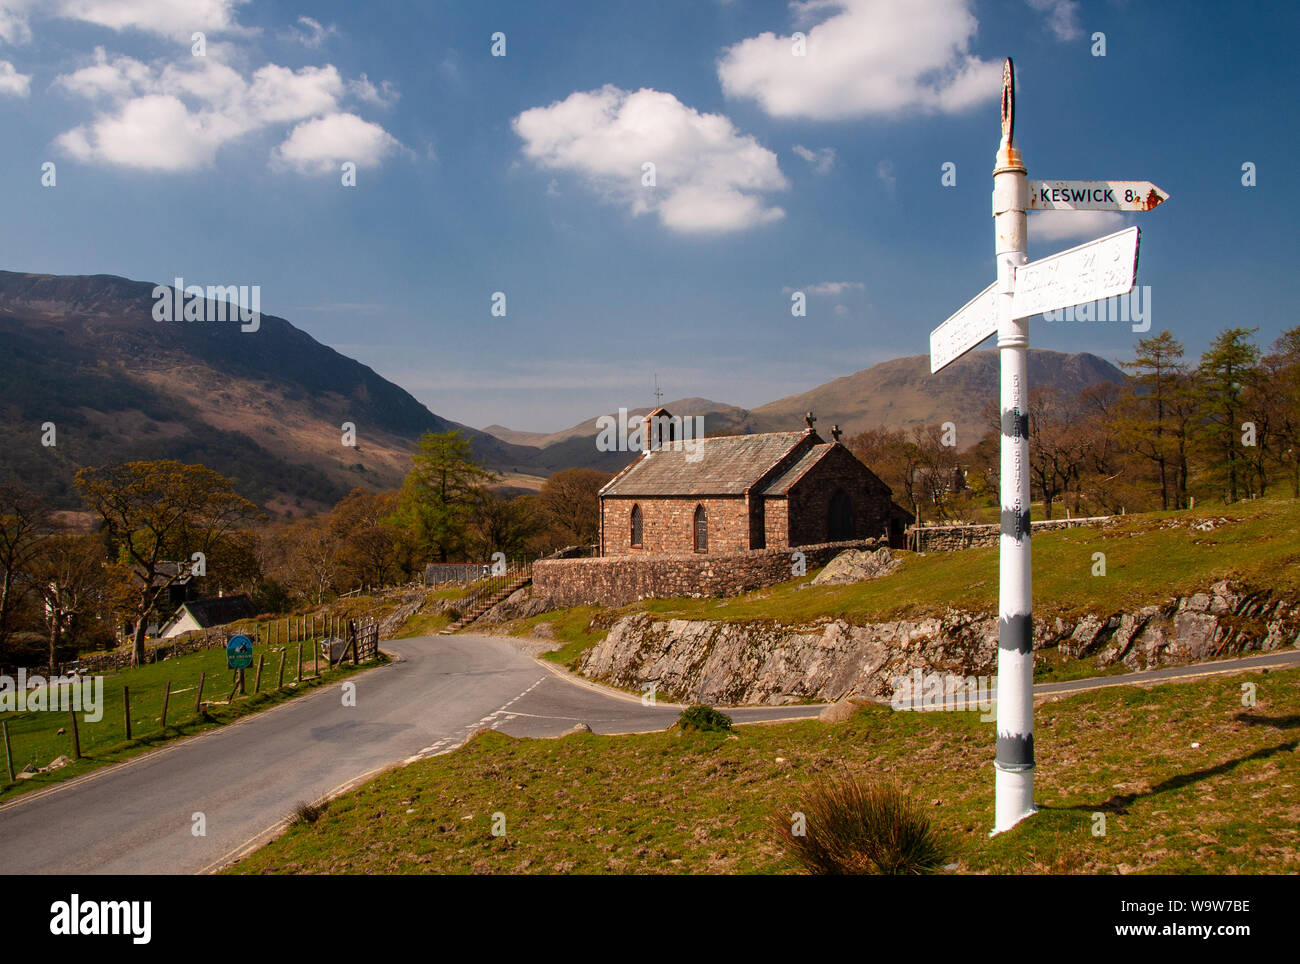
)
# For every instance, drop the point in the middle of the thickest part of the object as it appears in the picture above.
(734, 493)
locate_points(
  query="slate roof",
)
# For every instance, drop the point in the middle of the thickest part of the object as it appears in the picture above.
(781, 484)
(723, 465)
(218, 610)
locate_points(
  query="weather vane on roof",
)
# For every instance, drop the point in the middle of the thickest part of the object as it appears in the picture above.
(659, 395)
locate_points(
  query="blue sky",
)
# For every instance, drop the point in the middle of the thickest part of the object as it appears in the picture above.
(523, 174)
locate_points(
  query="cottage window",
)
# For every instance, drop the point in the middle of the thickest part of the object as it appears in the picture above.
(636, 525)
(701, 529)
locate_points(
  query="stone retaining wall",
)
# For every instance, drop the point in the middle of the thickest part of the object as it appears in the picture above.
(618, 580)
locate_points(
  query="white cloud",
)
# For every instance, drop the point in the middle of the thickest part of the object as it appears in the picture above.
(163, 17)
(1084, 225)
(868, 57)
(13, 83)
(830, 289)
(310, 33)
(322, 144)
(385, 95)
(1062, 17)
(885, 171)
(14, 25)
(179, 116)
(821, 160)
(709, 178)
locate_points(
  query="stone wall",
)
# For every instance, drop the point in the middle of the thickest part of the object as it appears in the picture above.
(618, 580)
(948, 538)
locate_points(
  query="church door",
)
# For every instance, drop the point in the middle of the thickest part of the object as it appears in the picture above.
(839, 523)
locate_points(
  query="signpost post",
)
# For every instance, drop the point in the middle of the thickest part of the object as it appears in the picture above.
(1099, 269)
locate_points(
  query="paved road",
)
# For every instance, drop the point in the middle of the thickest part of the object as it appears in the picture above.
(137, 817)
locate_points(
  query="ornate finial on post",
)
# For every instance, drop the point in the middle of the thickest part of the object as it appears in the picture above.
(809, 419)
(1008, 158)
(836, 432)
(1008, 100)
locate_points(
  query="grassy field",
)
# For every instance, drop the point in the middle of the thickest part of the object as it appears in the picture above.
(1149, 559)
(35, 738)
(1188, 780)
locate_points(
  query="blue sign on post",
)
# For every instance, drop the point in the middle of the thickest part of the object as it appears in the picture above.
(239, 652)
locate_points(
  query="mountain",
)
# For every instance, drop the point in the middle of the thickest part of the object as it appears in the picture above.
(263, 407)
(901, 393)
(898, 394)
(266, 407)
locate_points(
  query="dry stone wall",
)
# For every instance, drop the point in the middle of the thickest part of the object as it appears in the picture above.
(950, 538)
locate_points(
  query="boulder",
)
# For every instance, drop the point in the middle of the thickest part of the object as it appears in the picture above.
(856, 565)
(845, 709)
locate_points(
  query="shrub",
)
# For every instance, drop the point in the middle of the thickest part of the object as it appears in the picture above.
(705, 719)
(854, 826)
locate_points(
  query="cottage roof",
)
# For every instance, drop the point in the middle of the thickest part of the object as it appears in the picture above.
(218, 610)
(722, 465)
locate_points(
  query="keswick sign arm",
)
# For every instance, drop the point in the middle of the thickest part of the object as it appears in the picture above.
(1099, 269)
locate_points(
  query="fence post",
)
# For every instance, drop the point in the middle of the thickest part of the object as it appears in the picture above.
(315, 658)
(283, 653)
(9, 753)
(299, 679)
(198, 696)
(167, 695)
(257, 682)
(126, 709)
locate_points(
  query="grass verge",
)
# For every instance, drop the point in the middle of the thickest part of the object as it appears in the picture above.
(1187, 779)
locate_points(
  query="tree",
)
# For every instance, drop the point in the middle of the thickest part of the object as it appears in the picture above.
(1226, 369)
(309, 561)
(1281, 376)
(367, 553)
(570, 501)
(71, 577)
(1144, 423)
(24, 522)
(438, 497)
(159, 512)
(505, 525)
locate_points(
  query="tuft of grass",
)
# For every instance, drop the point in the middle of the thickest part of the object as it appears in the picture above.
(705, 719)
(305, 813)
(854, 826)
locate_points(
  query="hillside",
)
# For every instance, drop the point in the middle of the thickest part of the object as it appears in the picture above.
(263, 407)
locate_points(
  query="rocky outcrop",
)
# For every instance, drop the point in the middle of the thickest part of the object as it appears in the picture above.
(520, 604)
(856, 565)
(732, 663)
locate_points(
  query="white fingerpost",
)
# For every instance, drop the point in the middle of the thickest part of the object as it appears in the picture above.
(1014, 764)
(1099, 269)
